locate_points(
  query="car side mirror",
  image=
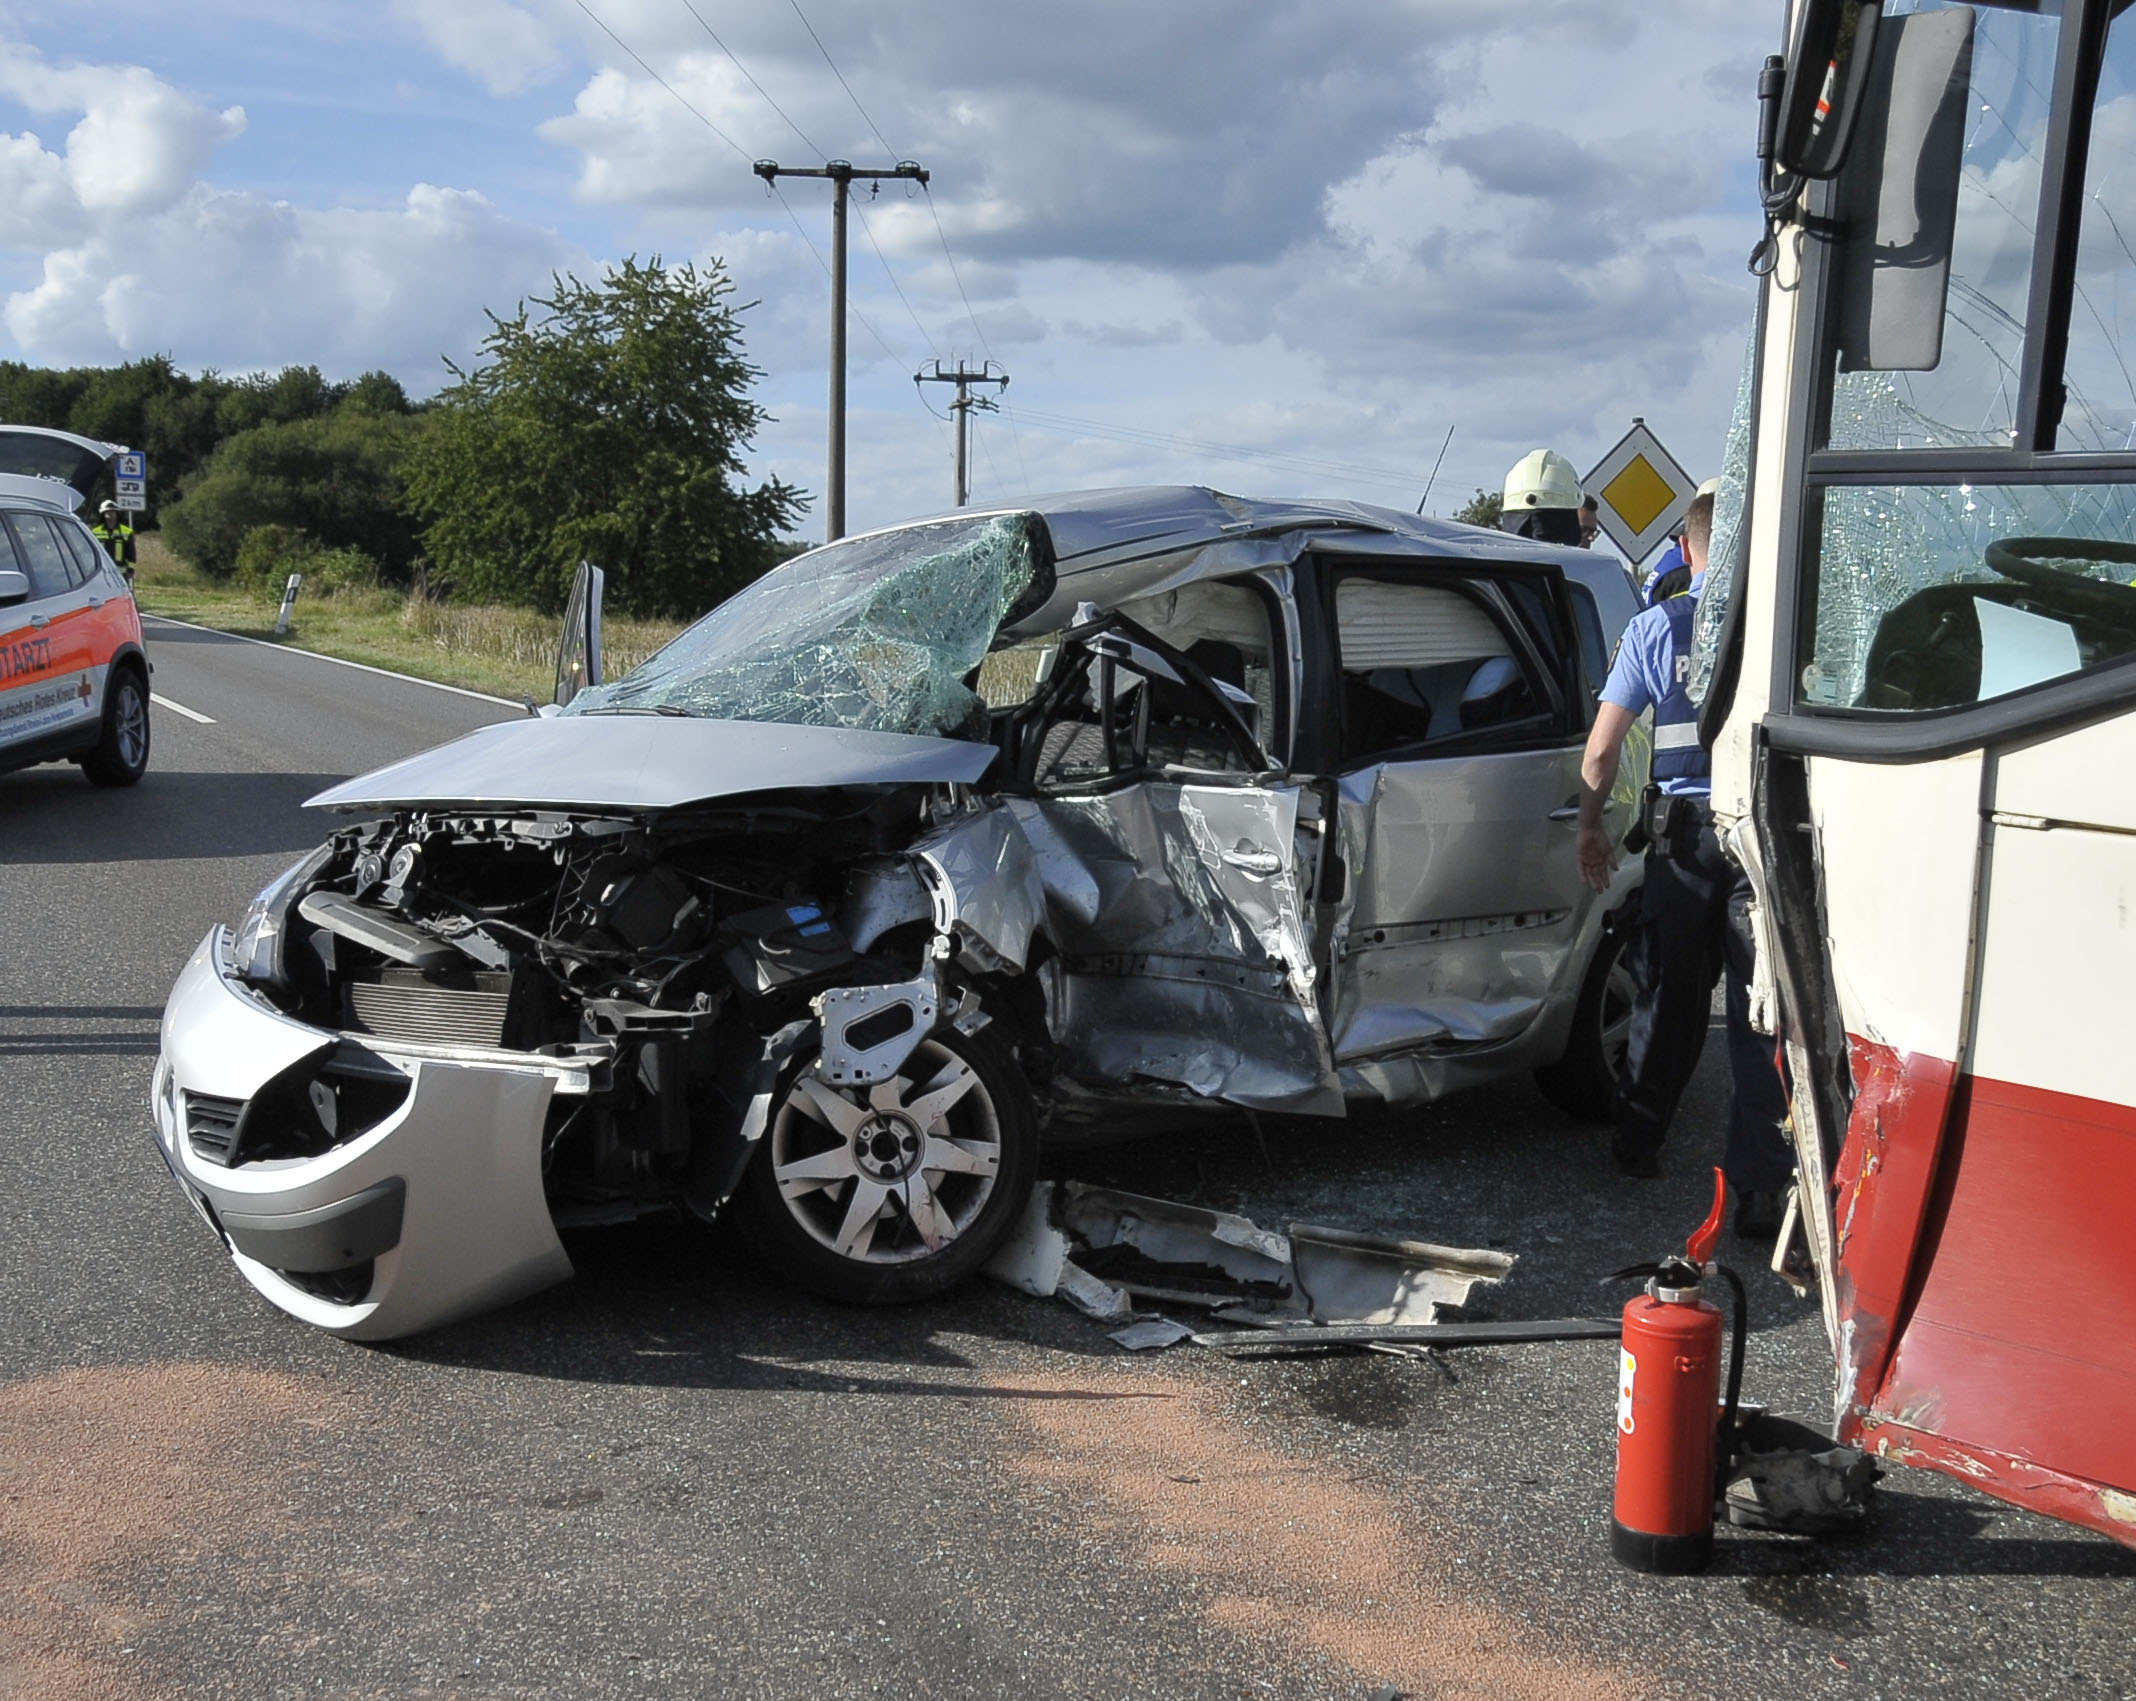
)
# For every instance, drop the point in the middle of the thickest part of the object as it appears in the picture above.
(1827, 69)
(14, 586)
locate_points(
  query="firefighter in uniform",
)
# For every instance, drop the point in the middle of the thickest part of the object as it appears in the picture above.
(117, 537)
(1693, 924)
(1542, 499)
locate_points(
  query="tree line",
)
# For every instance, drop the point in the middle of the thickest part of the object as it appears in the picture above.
(606, 421)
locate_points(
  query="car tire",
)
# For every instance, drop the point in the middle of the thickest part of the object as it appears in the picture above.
(1583, 1082)
(121, 754)
(854, 1145)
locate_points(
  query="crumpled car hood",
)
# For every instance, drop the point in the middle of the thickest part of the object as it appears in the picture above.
(650, 762)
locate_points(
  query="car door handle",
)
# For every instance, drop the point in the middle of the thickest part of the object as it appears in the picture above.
(1253, 860)
(96, 602)
(40, 620)
(1571, 812)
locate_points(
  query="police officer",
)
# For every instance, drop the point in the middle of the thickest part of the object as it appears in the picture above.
(1693, 921)
(115, 534)
(1671, 575)
(1542, 499)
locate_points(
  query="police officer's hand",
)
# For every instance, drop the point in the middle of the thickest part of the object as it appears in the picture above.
(1597, 856)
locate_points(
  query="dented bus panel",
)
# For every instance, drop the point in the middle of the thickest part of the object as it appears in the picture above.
(1917, 658)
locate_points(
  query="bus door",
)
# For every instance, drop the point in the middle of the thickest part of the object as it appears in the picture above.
(1933, 734)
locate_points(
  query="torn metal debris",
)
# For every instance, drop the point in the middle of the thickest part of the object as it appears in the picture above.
(1102, 1250)
(1492, 1334)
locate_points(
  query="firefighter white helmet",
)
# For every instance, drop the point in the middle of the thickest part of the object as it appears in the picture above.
(1542, 478)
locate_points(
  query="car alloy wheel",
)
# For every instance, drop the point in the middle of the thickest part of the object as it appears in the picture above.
(121, 754)
(129, 726)
(891, 1173)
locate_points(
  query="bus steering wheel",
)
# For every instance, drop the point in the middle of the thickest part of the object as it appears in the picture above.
(2026, 559)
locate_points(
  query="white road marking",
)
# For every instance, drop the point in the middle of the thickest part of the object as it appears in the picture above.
(181, 709)
(342, 661)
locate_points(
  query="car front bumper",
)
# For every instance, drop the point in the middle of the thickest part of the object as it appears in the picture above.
(431, 1214)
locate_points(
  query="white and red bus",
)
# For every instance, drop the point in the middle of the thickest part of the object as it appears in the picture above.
(1918, 673)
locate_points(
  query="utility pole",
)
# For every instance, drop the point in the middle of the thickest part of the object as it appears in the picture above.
(964, 378)
(841, 173)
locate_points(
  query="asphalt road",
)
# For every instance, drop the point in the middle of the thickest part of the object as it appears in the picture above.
(669, 1477)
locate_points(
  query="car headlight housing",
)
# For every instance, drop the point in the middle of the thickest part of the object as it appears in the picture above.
(256, 952)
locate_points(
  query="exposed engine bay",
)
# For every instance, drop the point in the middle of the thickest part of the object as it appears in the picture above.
(664, 951)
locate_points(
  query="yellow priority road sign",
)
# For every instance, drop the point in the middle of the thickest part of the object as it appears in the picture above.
(1640, 493)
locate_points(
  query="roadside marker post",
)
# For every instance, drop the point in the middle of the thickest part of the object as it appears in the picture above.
(289, 601)
(1640, 493)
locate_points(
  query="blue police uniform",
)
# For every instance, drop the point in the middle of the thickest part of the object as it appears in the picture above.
(1672, 561)
(1693, 927)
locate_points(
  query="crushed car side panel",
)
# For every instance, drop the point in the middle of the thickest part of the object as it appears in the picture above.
(1181, 932)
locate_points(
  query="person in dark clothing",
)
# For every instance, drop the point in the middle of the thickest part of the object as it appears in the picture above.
(1692, 911)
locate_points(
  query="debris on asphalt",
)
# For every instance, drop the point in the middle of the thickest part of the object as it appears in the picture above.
(1293, 1336)
(1151, 1332)
(1794, 1479)
(1102, 1250)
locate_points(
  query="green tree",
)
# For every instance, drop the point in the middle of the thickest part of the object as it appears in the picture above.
(338, 479)
(279, 398)
(376, 392)
(609, 429)
(1485, 508)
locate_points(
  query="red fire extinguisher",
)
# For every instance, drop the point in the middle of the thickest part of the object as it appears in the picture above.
(1674, 1437)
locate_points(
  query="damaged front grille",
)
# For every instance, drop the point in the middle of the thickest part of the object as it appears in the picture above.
(407, 1004)
(211, 1125)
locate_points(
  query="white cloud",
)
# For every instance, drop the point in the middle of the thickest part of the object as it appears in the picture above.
(501, 45)
(137, 255)
(139, 142)
(1320, 228)
(236, 281)
(1191, 218)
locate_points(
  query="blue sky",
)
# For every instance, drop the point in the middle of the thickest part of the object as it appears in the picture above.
(1278, 246)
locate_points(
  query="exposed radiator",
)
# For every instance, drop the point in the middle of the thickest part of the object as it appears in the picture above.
(401, 1004)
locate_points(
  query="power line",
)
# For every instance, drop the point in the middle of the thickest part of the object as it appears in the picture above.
(662, 81)
(876, 130)
(811, 144)
(753, 83)
(868, 230)
(840, 174)
(842, 83)
(865, 323)
(964, 378)
(978, 330)
(956, 276)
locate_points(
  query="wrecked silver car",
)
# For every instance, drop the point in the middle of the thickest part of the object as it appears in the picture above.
(1063, 821)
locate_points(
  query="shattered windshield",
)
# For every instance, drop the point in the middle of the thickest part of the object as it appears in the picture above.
(875, 633)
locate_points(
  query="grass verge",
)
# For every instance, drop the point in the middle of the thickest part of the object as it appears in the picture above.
(508, 652)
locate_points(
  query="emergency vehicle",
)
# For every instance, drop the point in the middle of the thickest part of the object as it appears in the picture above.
(1917, 664)
(73, 669)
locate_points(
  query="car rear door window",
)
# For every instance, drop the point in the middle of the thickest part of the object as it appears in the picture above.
(88, 559)
(51, 569)
(1423, 664)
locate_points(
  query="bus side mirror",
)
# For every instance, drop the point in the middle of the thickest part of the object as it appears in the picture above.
(1827, 67)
